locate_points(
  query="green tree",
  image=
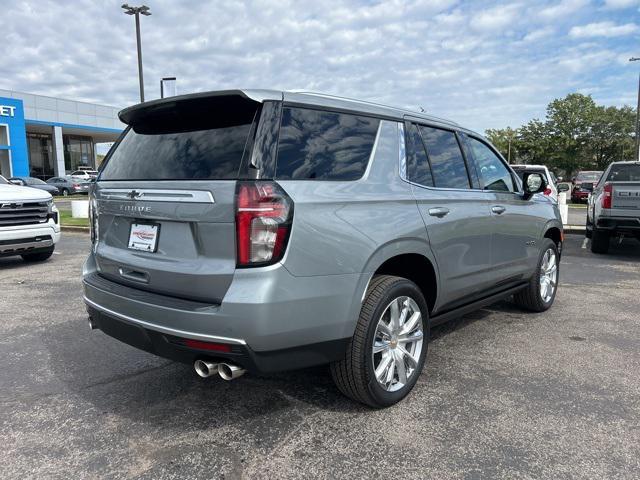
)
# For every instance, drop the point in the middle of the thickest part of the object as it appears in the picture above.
(569, 124)
(505, 140)
(533, 143)
(612, 135)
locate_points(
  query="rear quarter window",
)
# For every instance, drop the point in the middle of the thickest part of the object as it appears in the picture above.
(322, 145)
(447, 163)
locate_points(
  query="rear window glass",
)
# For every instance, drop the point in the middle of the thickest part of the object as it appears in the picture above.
(521, 171)
(184, 141)
(447, 163)
(320, 145)
(624, 173)
(418, 168)
(588, 176)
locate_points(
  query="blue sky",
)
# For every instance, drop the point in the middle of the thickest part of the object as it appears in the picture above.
(485, 64)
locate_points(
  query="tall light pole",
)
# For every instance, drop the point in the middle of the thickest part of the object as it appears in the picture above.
(635, 59)
(137, 11)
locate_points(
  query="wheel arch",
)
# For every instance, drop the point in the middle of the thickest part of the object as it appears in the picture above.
(407, 258)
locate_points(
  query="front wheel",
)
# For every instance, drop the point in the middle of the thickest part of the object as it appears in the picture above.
(65, 192)
(39, 256)
(541, 291)
(387, 352)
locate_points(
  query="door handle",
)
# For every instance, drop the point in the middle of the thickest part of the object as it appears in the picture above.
(498, 210)
(438, 211)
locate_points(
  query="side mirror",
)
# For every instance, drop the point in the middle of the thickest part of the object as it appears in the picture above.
(563, 187)
(532, 184)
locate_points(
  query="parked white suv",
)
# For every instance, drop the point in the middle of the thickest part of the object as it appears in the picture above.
(84, 175)
(29, 222)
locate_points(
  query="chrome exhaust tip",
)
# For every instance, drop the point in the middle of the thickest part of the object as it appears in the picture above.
(205, 369)
(92, 325)
(230, 372)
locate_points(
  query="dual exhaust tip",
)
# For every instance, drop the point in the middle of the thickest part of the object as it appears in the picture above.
(227, 371)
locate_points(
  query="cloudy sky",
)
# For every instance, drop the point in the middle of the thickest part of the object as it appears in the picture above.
(485, 64)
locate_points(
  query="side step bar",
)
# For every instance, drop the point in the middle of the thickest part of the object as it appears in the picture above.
(471, 307)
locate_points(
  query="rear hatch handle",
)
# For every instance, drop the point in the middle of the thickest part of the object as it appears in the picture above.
(134, 275)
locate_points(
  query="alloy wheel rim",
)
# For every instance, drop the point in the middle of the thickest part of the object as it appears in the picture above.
(548, 275)
(397, 343)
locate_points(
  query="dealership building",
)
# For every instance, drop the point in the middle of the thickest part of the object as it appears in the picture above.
(44, 137)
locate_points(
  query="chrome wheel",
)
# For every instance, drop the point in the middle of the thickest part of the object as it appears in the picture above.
(548, 275)
(397, 343)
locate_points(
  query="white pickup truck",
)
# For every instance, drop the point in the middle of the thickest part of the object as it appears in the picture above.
(614, 205)
(29, 222)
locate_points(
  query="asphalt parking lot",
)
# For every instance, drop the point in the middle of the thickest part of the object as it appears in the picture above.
(505, 394)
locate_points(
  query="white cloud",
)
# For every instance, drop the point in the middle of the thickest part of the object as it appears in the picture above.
(603, 29)
(539, 34)
(562, 9)
(494, 19)
(620, 4)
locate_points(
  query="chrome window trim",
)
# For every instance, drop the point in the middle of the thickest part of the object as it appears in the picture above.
(156, 195)
(158, 328)
(402, 152)
(372, 155)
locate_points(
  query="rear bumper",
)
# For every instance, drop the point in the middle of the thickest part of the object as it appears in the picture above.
(621, 224)
(580, 195)
(171, 347)
(266, 313)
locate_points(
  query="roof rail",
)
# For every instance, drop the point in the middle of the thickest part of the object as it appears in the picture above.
(338, 97)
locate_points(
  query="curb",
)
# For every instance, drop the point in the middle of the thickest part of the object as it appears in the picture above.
(71, 228)
(574, 229)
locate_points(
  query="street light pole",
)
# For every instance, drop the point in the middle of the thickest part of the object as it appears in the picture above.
(137, 11)
(635, 59)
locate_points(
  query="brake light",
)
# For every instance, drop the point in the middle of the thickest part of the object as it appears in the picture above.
(606, 196)
(547, 191)
(263, 221)
(75, 185)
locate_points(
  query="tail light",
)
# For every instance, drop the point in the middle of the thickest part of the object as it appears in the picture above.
(93, 220)
(606, 196)
(547, 191)
(264, 213)
(75, 185)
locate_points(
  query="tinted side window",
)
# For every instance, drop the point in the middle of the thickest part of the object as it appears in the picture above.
(447, 163)
(494, 174)
(418, 168)
(320, 145)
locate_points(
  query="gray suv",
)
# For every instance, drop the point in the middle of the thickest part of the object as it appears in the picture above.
(262, 231)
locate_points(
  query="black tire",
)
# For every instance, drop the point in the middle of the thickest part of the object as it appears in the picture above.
(354, 375)
(65, 192)
(530, 298)
(600, 241)
(588, 231)
(39, 256)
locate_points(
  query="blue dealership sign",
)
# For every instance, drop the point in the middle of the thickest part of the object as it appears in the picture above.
(12, 122)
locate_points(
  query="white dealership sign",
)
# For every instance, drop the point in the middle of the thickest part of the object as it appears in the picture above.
(7, 111)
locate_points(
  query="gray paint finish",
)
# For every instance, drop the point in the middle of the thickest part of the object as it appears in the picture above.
(341, 233)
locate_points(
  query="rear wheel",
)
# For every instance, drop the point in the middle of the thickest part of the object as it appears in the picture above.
(600, 240)
(541, 291)
(588, 232)
(39, 256)
(65, 192)
(387, 352)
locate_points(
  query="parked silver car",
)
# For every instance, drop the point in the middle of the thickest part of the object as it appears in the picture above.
(265, 231)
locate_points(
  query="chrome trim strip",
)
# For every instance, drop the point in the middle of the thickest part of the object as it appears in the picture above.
(373, 152)
(156, 195)
(158, 328)
(402, 153)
